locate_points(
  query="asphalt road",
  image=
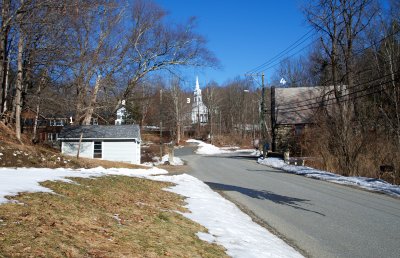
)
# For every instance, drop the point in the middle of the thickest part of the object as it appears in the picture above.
(323, 219)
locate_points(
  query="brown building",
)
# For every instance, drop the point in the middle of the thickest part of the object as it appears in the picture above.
(49, 126)
(294, 111)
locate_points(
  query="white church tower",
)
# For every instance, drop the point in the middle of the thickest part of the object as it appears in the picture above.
(199, 110)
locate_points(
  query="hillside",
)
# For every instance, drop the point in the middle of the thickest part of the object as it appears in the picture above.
(25, 154)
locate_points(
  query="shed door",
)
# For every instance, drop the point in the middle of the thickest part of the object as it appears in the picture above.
(120, 151)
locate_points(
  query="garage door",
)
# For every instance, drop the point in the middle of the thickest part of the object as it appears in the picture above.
(120, 151)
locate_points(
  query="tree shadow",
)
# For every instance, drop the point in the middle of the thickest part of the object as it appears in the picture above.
(265, 195)
(248, 157)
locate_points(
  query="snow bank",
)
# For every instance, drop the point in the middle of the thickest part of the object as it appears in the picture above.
(176, 161)
(363, 182)
(208, 149)
(15, 180)
(226, 224)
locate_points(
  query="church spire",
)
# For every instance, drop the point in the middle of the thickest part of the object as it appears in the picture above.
(197, 83)
(197, 92)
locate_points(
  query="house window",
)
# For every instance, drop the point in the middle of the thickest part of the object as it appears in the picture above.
(97, 150)
(56, 122)
(59, 122)
(52, 137)
(94, 121)
(298, 129)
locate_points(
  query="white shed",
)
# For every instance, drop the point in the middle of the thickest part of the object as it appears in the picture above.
(106, 142)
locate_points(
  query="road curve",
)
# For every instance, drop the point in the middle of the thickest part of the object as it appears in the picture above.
(321, 218)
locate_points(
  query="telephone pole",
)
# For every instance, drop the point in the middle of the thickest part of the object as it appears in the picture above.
(273, 120)
(263, 121)
(161, 124)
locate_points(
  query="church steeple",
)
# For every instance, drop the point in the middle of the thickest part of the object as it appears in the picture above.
(199, 110)
(197, 92)
(197, 84)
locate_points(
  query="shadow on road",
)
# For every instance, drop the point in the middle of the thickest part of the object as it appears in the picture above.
(265, 195)
(233, 157)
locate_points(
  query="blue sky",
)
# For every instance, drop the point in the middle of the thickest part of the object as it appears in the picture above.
(242, 34)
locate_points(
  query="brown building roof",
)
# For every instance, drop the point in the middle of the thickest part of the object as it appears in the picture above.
(298, 105)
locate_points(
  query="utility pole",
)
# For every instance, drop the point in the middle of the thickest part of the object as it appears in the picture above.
(161, 125)
(273, 119)
(220, 123)
(263, 123)
(263, 120)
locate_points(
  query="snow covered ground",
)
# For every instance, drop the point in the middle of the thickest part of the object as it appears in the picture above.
(15, 180)
(363, 182)
(208, 149)
(176, 161)
(226, 224)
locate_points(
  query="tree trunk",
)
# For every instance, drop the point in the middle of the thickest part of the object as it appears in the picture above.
(18, 86)
(5, 28)
(38, 102)
(178, 133)
(79, 145)
(5, 86)
(90, 109)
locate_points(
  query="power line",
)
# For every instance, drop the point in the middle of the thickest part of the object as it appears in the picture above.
(332, 103)
(354, 86)
(287, 57)
(312, 105)
(296, 44)
(291, 47)
(356, 53)
(288, 49)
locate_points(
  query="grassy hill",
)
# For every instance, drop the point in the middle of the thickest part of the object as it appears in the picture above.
(112, 216)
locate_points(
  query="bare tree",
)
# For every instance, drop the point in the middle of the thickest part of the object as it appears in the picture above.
(154, 45)
(18, 94)
(213, 102)
(340, 23)
(178, 107)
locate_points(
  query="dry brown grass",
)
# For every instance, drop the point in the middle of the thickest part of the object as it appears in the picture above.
(28, 155)
(106, 217)
(377, 150)
(233, 140)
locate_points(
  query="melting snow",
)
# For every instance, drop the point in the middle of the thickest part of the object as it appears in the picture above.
(176, 161)
(226, 224)
(363, 182)
(208, 149)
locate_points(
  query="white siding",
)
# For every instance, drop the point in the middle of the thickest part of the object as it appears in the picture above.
(71, 148)
(122, 151)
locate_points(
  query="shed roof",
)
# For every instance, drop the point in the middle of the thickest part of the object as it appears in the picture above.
(298, 105)
(100, 132)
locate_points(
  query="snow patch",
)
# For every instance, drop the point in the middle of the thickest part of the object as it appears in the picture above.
(176, 161)
(226, 224)
(206, 237)
(208, 149)
(363, 182)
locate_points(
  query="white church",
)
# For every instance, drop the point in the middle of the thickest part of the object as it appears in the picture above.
(199, 110)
